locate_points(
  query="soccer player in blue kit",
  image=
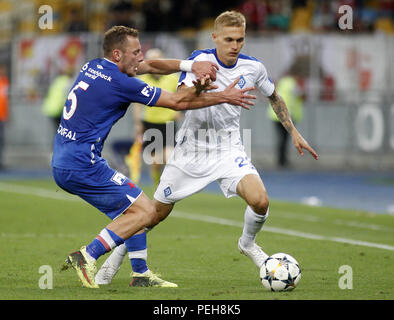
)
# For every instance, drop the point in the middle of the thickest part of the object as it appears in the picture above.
(99, 97)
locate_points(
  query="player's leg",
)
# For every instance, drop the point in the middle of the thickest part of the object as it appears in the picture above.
(116, 196)
(136, 248)
(164, 200)
(252, 190)
(147, 278)
(163, 209)
(111, 265)
(136, 245)
(137, 216)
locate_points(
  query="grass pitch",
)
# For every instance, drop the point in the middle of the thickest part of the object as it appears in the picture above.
(195, 247)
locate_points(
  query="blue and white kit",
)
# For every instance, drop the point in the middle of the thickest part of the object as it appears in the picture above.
(209, 146)
(98, 98)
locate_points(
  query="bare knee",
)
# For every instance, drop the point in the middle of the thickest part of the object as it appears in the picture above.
(251, 189)
(161, 211)
(260, 204)
(144, 216)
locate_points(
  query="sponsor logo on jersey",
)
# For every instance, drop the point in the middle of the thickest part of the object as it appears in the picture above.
(94, 74)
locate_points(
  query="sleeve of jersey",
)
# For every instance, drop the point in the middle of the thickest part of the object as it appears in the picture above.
(264, 83)
(187, 78)
(136, 90)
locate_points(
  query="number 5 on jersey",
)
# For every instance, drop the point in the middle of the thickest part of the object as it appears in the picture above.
(72, 96)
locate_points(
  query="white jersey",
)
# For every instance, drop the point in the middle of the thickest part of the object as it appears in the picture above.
(210, 128)
(209, 146)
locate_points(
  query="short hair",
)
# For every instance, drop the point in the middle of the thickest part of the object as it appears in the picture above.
(116, 37)
(229, 19)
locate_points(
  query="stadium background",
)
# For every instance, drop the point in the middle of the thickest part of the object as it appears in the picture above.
(348, 81)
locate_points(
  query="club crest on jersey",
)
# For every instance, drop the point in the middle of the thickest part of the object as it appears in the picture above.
(118, 178)
(167, 191)
(241, 82)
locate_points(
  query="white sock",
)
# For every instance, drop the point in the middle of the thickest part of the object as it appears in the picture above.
(253, 223)
(117, 255)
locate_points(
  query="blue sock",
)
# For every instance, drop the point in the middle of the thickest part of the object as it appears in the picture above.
(103, 243)
(139, 265)
(95, 249)
(136, 246)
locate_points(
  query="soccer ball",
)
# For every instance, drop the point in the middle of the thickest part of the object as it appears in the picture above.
(280, 272)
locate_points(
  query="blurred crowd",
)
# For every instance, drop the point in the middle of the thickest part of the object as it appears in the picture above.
(262, 15)
(317, 15)
(189, 16)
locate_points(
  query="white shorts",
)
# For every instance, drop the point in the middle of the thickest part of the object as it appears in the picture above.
(181, 179)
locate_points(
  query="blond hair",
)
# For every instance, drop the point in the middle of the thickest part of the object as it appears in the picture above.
(229, 19)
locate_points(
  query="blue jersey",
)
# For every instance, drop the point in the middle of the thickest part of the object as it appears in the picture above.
(99, 97)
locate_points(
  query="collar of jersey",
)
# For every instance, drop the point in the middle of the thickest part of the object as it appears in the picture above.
(110, 62)
(221, 63)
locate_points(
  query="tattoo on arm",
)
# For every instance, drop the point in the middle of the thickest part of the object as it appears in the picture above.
(279, 106)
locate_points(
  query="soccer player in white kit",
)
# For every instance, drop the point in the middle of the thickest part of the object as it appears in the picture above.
(209, 146)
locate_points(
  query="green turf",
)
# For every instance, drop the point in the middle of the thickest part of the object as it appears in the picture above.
(40, 228)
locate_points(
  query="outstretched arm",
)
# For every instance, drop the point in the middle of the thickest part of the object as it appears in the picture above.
(279, 106)
(167, 66)
(187, 98)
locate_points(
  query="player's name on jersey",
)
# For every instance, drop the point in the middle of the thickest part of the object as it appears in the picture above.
(66, 133)
(91, 73)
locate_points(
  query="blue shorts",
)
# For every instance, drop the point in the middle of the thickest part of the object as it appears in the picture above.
(103, 187)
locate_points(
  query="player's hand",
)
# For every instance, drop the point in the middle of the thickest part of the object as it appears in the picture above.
(239, 97)
(300, 144)
(204, 83)
(203, 68)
